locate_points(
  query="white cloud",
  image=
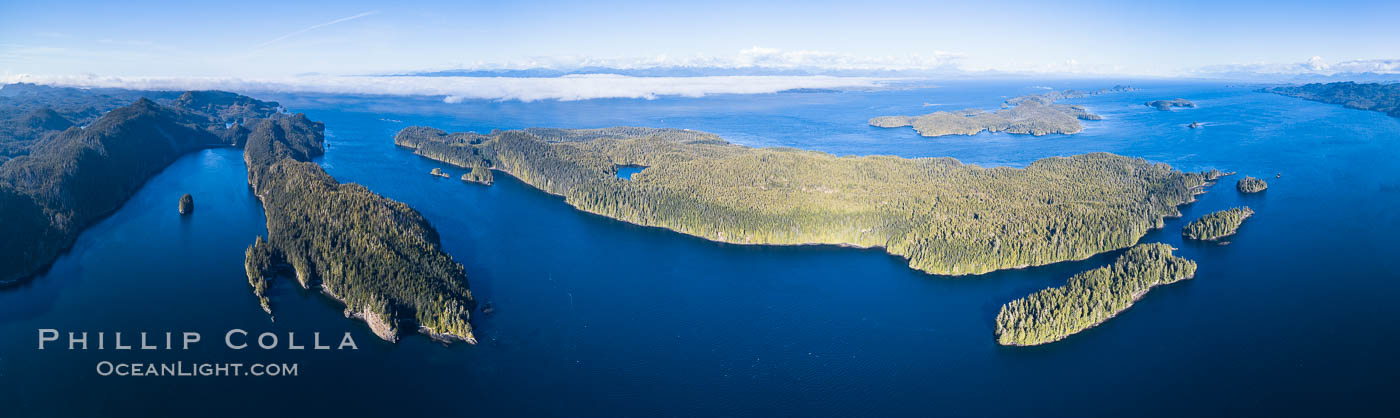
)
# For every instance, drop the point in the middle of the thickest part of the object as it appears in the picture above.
(754, 57)
(1312, 66)
(1316, 63)
(1383, 66)
(456, 89)
(775, 58)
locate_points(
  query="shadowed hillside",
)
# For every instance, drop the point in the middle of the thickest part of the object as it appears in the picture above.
(64, 176)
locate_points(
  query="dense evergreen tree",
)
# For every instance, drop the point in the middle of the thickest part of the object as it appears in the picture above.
(944, 216)
(1217, 225)
(260, 262)
(1251, 185)
(1091, 297)
(1384, 98)
(378, 256)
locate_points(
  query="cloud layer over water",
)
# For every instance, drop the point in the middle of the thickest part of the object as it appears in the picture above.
(1312, 66)
(456, 89)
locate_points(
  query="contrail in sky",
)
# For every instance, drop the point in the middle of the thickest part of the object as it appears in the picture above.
(313, 27)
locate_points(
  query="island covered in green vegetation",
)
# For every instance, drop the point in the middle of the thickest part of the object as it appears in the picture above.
(379, 257)
(1251, 185)
(75, 156)
(1169, 104)
(945, 217)
(479, 174)
(1036, 114)
(1217, 225)
(1384, 98)
(1091, 297)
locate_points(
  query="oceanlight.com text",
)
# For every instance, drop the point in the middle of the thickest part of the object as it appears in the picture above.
(182, 369)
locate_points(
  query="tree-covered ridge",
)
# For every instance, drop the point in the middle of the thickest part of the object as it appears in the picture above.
(29, 113)
(1384, 98)
(261, 263)
(1035, 114)
(378, 256)
(1217, 225)
(68, 177)
(1091, 297)
(227, 107)
(1251, 185)
(944, 216)
(1169, 104)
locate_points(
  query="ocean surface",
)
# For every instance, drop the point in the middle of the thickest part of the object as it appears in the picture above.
(1296, 316)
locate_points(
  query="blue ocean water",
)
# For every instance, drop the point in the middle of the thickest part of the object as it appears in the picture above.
(626, 172)
(1296, 316)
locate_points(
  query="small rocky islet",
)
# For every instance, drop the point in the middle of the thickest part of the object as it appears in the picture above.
(186, 204)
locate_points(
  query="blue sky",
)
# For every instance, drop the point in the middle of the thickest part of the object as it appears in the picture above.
(270, 38)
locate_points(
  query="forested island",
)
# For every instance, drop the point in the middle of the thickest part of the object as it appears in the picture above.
(1036, 114)
(1251, 185)
(379, 257)
(945, 217)
(1169, 104)
(77, 156)
(1384, 98)
(1217, 225)
(1091, 297)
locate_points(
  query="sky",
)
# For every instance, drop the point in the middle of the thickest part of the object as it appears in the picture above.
(274, 40)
